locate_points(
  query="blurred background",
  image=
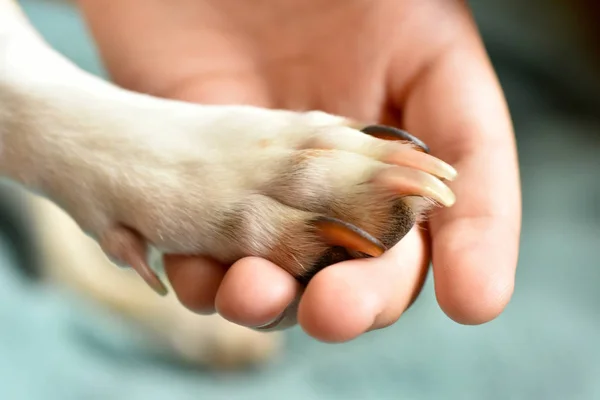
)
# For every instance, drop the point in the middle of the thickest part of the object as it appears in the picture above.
(544, 346)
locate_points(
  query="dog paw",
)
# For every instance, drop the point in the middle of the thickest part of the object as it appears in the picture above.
(303, 190)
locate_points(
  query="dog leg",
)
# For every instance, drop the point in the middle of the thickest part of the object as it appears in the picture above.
(73, 260)
(302, 189)
(132, 169)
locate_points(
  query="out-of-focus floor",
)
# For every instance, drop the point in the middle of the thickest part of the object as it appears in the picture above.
(543, 347)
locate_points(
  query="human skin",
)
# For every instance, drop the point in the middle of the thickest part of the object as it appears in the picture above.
(409, 63)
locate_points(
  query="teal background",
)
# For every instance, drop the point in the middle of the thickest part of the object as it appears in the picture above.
(545, 346)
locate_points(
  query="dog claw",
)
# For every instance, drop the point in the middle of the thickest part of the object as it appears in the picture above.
(335, 232)
(128, 248)
(411, 182)
(421, 161)
(150, 277)
(390, 133)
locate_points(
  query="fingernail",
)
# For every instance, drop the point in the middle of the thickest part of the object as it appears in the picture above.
(284, 320)
(272, 324)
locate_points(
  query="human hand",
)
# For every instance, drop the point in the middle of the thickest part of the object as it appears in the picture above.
(417, 65)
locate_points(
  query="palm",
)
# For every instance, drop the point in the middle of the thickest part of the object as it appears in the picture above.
(411, 63)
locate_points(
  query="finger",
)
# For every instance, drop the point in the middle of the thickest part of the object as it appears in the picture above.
(348, 299)
(457, 107)
(195, 281)
(255, 293)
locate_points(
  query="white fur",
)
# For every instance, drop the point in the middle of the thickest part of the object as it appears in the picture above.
(226, 181)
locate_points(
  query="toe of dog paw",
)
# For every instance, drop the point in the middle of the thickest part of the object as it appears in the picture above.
(339, 190)
(303, 190)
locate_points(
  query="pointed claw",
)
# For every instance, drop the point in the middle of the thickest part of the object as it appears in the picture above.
(411, 182)
(422, 161)
(339, 233)
(129, 249)
(390, 133)
(149, 276)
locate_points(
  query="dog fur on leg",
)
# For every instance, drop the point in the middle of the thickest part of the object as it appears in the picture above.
(117, 173)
